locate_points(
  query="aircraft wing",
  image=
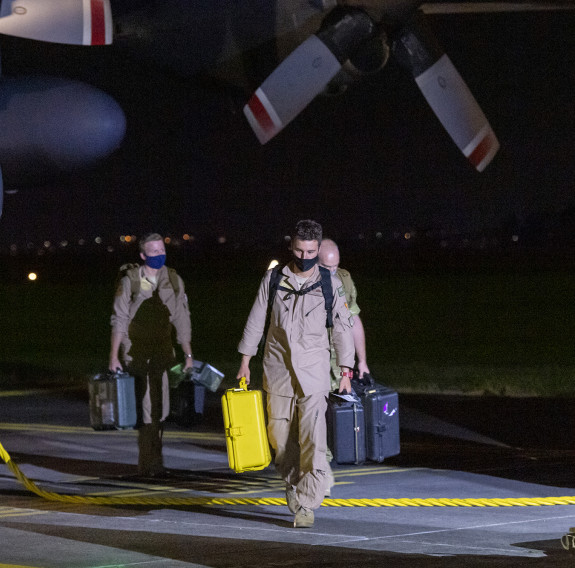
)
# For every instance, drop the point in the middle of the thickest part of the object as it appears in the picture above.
(495, 6)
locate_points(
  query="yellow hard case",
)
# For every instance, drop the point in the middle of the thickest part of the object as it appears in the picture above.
(244, 422)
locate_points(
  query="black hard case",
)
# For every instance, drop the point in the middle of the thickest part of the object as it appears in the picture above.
(346, 429)
(381, 410)
(187, 402)
(112, 401)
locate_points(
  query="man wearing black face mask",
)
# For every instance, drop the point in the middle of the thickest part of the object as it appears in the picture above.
(296, 368)
(150, 300)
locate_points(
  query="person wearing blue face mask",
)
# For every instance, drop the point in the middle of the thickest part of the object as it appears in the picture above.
(150, 300)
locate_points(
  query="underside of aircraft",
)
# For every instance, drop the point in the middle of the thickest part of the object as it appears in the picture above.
(295, 50)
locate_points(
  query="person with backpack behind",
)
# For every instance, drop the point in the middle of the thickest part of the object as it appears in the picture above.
(329, 258)
(295, 307)
(150, 300)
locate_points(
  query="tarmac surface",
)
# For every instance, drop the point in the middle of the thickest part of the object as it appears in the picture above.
(452, 447)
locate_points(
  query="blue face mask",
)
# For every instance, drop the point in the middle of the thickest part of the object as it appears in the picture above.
(156, 261)
(305, 264)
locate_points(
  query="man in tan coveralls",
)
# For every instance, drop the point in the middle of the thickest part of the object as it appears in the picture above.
(296, 369)
(329, 258)
(142, 328)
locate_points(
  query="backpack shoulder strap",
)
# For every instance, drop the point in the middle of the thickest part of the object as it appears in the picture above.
(132, 271)
(275, 280)
(327, 290)
(174, 280)
(274, 283)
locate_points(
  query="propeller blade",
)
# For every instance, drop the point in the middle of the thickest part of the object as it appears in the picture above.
(446, 93)
(305, 73)
(77, 22)
(290, 88)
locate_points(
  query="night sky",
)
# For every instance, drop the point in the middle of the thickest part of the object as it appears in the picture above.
(374, 159)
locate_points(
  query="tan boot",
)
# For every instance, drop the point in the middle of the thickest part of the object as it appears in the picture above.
(291, 499)
(304, 518)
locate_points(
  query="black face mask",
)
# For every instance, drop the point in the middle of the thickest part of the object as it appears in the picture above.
(305, 264)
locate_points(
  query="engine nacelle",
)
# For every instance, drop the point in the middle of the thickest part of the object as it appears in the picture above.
(49, 125)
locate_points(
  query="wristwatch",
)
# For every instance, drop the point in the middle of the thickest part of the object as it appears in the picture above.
(188, 355)
(348, 374)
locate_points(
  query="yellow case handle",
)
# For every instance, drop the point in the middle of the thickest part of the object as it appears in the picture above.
(243, 384)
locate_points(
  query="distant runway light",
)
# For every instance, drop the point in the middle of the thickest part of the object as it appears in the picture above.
(128, 238)
(98, 240)
(273, 264)
(32, 276)
(222, 240)
(47, 244)
(81, 242)
(63, 244)
(407, 236)
(378, 235)
(515, 238)
(123, 238)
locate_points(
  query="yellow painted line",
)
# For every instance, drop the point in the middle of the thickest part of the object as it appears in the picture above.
(23, 393)
(14, 512)
(24, 515)
(127, 492)
(155, 500)
(90, 431)
(193, 435)
(275, 489)
(378, 472)
(79, 479)
(17, 566)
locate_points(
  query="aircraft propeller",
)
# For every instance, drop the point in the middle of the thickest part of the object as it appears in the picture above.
(308, 70)
(305, 73)
(76, 22)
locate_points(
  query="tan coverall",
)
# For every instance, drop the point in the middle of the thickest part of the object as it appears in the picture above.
(296, 376)
(145, 323)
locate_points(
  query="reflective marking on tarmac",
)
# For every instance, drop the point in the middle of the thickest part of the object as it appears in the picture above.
(474, 527)
(23, 393)
(222, 484)
(373, 471)
(16, 566)
(12, 512)
(86, 430)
